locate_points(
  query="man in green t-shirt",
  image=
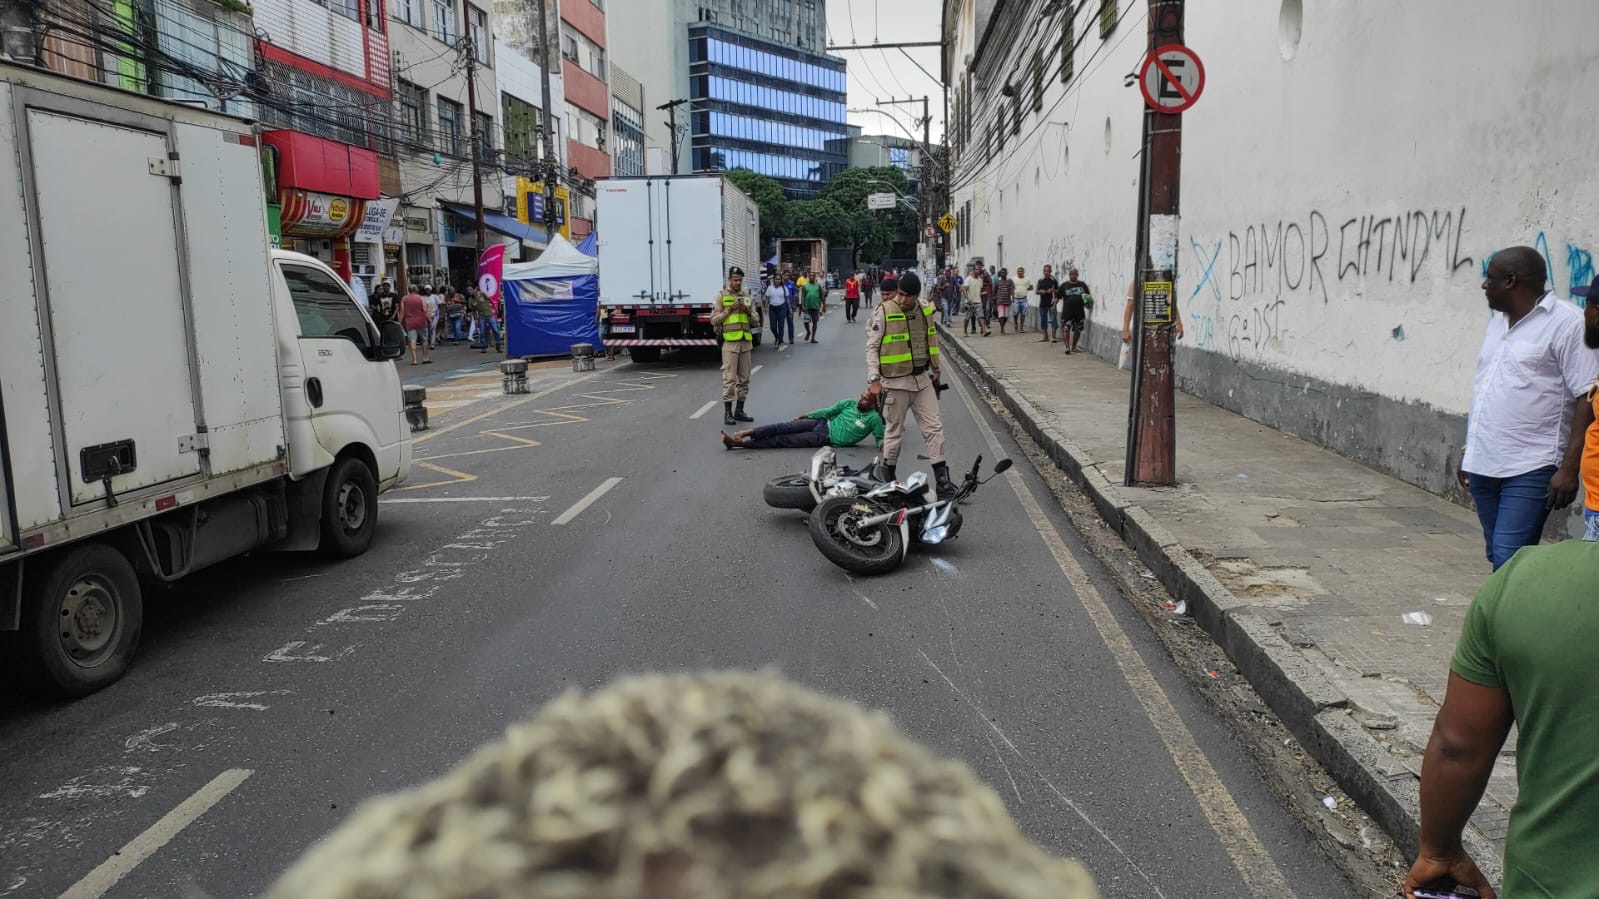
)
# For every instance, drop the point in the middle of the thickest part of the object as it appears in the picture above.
(1525, 657)
(845, 423)
(811, 301)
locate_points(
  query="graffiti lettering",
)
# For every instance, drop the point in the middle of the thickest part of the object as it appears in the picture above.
(1286, 255)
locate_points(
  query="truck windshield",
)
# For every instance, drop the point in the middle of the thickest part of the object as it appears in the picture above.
(323, 306)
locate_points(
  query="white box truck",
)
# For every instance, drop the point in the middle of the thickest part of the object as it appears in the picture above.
(666, 243)
(173, 391)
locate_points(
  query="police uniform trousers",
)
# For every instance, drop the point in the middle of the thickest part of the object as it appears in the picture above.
(736, 356)
(920, 401)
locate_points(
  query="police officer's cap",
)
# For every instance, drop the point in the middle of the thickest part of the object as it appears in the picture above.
(735, 270)
(890, 284)
(910, 284)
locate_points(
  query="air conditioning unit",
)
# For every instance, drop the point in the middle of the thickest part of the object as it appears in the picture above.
(366, 271)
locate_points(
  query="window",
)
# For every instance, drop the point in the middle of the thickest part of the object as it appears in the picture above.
(1068, 44)
(324, 308)
(374, 15)
(413, 112)
(483, 136)
(477, 24)
(568, 46)
(444, 20)
(521, 123)
(410, 12)
(1107, 17)
(1038, 81)
(450, 119)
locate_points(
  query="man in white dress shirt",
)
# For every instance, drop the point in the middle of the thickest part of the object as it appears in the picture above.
(1525, 431)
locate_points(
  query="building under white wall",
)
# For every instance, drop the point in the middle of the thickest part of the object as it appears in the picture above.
(1345, 174)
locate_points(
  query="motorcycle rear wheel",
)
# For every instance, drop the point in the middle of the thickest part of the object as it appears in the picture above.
(869, 551)
(791, 491)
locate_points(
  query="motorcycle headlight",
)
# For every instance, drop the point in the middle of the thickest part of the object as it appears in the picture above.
(935, 535)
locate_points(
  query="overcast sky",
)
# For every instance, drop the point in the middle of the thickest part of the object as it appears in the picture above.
(886, 74)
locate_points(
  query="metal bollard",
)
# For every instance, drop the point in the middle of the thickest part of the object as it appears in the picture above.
(416, 414)
(582, 357)
(513, 376)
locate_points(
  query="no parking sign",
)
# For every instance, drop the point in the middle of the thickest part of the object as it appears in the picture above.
(1171, 78)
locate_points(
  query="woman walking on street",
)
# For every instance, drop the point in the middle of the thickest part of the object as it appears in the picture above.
(1004, 293)
(414, 319)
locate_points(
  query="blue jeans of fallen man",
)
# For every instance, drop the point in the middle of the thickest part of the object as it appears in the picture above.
(782, 321)
(1512, 510)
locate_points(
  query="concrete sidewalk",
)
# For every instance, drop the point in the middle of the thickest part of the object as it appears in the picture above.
(1300, 563)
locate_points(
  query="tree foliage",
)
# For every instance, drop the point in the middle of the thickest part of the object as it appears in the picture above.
(768, 196)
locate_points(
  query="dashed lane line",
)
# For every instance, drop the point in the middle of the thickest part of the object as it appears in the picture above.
(704, 409)
(111, 871)
(578, 507)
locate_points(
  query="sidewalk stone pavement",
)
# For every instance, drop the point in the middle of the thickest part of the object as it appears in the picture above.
(1300, 563)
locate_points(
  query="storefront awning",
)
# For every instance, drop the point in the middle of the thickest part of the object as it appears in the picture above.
(504, 224)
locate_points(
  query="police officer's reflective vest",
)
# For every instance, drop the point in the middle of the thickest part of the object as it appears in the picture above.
(737, 324)
(907, 348)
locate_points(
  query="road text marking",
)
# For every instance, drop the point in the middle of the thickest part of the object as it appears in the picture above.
(704, 409)
(585, 502)
(99, 881)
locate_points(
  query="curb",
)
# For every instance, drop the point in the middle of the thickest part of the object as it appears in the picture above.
(1386, 786)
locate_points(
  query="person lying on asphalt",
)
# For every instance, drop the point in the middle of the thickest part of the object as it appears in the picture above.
(725, 785)
(845, 423)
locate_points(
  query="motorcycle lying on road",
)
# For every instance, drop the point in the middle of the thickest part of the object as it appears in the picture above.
(870, 533)
(824, 478)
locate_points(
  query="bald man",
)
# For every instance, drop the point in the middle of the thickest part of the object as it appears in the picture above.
(1525, 431)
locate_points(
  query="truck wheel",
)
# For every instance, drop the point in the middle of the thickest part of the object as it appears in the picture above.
(82, 618)
(349, 509)
(644, 353)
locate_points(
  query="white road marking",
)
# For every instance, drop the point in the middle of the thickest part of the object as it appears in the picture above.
(94, 785)
(100, 881)
(863, 598)
(464, 499)
(704, 409)
(1254, 864)
(145, 739)
(585, 502)
(237, 700)
(297, 651)
(756, 369)
(365, 613)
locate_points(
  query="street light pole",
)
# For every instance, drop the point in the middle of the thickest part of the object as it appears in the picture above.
(547, 164)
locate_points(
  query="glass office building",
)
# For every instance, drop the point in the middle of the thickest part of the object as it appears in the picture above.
(764, 106)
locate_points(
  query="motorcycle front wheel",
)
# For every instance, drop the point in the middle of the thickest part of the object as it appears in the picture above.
(791, 491)
(837, 532)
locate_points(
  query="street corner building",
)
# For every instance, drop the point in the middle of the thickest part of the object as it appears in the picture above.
(1328, 272)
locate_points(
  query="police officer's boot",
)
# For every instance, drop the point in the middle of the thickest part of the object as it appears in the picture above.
(727, 414)
(946, 487)
(885, 472)
(738, 412)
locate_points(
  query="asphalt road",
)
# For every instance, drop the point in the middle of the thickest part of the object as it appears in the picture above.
(273, 694)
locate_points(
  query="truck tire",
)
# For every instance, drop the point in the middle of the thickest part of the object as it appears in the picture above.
(349, 509)
(644, 353)
(81, 619)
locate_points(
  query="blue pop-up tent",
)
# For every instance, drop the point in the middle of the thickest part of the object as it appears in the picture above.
(550, 302)
(590, 246)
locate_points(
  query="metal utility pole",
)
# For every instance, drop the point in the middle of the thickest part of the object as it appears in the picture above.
(671, 122)
(1152, 422)
(547, 159)
(468, 46)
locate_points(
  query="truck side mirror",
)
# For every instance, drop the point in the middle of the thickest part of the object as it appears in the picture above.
(391, 340)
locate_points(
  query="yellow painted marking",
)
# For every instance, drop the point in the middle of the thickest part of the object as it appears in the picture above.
(457, 477)
(1249, 856)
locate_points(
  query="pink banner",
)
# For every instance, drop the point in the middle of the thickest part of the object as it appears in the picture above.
(489, 270)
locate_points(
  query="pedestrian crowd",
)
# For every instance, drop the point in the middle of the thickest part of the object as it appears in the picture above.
(431, 316)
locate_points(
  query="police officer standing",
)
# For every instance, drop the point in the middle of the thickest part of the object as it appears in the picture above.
(902, 368)
(733, 320)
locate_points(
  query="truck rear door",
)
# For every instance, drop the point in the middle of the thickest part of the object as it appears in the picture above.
(119, 331)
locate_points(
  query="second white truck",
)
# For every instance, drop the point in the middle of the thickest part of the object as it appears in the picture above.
(665, 250)
(173, 392)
